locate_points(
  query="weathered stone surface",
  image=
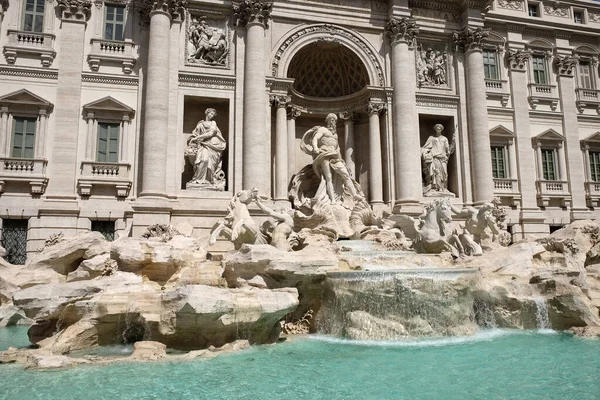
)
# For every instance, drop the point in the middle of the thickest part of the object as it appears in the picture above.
(206, 273)
(364, 326)
(588, 332)
(11, 315)
(155, 259)
(65, 256)
(81, 335)
(52, 362)
(149, 351)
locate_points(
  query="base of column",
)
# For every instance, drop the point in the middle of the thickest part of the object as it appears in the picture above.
(379, 205)
(149, 193)
(408, 206)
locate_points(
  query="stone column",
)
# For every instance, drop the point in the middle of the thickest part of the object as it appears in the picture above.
(123, 156)
(293, 112)
(566, 84)
(375, 164)
(530, 217)
(40, 150)
(156, 105)
(409, 189)
(470, 40)
(586, 156)
(4, 136)
(256, 170)
(538, 156)
(349, 118)
(74, 15)
(562, 163)
(90, 136)
(281, 147)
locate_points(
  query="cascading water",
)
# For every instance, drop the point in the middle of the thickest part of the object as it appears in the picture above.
(393, 304)
(541, 314)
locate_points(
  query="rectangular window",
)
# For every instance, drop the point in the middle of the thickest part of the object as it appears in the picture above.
(23, 137)
(106, 228)
(595, 166)
(578, 17)
(108, 142)
(499, 162)
(490, 64)
(33, 16)
(114, 22)
(539, 70)
(584, 72)
(14, 240)
(549, 165)
(534, 10)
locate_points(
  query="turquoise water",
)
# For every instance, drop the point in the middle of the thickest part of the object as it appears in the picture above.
(491, 365)
(13, 336)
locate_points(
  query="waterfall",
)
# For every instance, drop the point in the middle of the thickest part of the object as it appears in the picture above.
(484, 315)
(541, 314)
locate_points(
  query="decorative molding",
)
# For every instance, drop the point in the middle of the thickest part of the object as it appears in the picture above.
(593, 17)
(470, 38)
(207, 81)
(517, 59)
(280, 100)
(565, 64)
(74, 10)
(109, 79)
(443, 15)
(437, 101)
(29, 72)
(435, 5)
(402, 30)
(517, 5)
(555, 10)
(253, 12)
(330, 30)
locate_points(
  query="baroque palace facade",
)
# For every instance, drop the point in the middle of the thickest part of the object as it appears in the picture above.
(100, 103)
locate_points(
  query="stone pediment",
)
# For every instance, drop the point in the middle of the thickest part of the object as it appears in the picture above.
(550, 134)
(24, 99)
(501, 131)
(593, 138)
(108, 104)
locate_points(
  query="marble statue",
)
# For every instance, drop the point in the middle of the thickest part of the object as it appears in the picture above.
(431, 67)
(434, 156)
(321, 143)
(478, 221)
(204, 151)
(432, 234)
(206, 44)
(238, 226)
(282, 233)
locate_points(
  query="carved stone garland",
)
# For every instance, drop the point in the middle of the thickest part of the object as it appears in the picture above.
(517, 59)
(402, 29)
(253, 11)
(470, 39)
(78, 10)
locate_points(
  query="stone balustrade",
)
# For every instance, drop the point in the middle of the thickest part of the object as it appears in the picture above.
(592, 193)
(586, 98)
(497, 88)
(548, 190)
(98, 174)
(112, 51)
(507, 188)
(32, 43)
(31, 171)
(539, 93)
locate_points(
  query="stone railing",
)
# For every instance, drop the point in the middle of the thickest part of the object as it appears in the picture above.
(30, 171)
(21, 42)
(539, 93)
(112, 51)
(507, 188)
(496, 85)
(587, 98)
(95, 173)
(592, 193)
(548, 190)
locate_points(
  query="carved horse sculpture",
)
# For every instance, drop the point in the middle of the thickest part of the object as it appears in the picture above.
(431, 234)
(238, 226)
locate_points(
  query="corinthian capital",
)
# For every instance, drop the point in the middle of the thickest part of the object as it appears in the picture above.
(565, 64)
(77, 10)
(470, 38)
(253, 11)
(175, 8)
(402, 30)
(375, 108)
(517, 59)
(280, 100)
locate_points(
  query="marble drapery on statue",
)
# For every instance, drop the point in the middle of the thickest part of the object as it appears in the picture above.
(204, 151)
(434, 156)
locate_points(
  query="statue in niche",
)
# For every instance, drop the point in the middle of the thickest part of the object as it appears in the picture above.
(321, 143)
(434, 156)
(204, 151)
(206, 44)
(431, 67)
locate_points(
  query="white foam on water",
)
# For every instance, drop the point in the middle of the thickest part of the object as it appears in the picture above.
(481, 336)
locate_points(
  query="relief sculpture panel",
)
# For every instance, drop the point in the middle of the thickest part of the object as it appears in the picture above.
(207, 41)
(432, 66)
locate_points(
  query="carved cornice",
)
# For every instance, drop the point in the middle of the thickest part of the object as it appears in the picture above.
(435, 5)
(470, 38)
(565, 64)
(29, 72)
(109, 79)
(252, 11)
(437, 101)
(483, 5)
(280, 100)
(375, 108)
(207, 81)
(517, 59)
(75, 10)
(402, 30)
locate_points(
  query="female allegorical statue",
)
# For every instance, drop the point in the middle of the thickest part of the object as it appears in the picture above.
(434, 155)
(204, 150)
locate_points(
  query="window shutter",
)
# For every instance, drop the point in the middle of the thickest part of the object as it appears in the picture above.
(102, 142)
(23, 137)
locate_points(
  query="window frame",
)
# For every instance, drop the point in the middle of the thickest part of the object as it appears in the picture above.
(35, 15)
(535, 72)
(503, 151)
(114, 22)
(594, 175)
(536, 6)
(496, 65)
(545, 150)
(112, 127)
(27, 118)
(582, 13)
